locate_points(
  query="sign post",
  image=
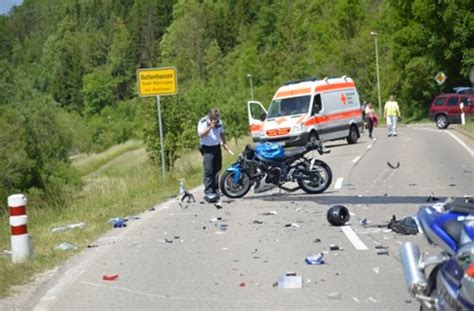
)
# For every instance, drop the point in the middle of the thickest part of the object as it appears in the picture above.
(440, 78)
(158, 82)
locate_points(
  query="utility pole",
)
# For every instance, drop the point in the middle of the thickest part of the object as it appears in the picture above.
(374, 34)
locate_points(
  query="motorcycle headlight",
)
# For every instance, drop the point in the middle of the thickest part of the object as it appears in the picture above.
(297, 128)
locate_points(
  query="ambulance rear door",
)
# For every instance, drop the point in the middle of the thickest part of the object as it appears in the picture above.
(257, 114)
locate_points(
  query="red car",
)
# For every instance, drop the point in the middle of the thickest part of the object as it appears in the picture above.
(445, 108)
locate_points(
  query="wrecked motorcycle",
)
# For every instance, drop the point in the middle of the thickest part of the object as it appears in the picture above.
(269, 165)
(450, 285)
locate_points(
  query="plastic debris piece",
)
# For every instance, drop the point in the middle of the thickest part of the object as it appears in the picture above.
(290, 281)
(218, 205)
(432, 198)
(316, 259)
(112, 277)
(335, 295)
(393, 166)
(335, 247)
(65, 246)
(80, 225)
(271, 213)
(120, 223)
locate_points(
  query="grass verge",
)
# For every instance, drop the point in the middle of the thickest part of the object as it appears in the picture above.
(127, 184)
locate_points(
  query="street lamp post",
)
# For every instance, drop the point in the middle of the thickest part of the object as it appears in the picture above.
(374, 34)
(249, 76)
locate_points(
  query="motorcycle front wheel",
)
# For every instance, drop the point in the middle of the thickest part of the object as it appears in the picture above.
(321, 181)
(234, 190)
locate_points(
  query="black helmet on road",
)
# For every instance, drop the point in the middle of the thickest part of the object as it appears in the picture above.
(338, 215)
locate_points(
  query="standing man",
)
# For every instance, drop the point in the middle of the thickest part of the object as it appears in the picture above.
(211, 135)
(391, 111)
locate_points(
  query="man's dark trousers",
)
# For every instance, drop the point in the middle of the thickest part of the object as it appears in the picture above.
(212, 166)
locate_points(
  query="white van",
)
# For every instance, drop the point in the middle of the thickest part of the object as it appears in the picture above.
(306, 110)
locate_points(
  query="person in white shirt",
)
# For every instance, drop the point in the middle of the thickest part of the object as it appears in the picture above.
(211, 135)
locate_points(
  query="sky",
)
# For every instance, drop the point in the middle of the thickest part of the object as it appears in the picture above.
(5, 5)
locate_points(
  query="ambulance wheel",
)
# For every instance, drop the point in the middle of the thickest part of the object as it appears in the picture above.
(353, 135)
(313, 138)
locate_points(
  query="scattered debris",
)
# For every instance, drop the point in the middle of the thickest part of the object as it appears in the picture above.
(432, 198)
(335, 247)
(405, 226)
(92, 245)
(257, 222)
(383, 252)
(452, 185)
(113, 277)
(376, 270)
(289, 281)
(218, 205)
(66, 246)
(411, 185)
(271, 213)
(373, 300)
(151, 209)
(242, 284)
(7, 253)
(291, 225)
(408, 301)
(381, 247)
(80, 225)
(356, 299)
(168, 241)
(184, 193)
(335, 295)
(118, 222)
(317, 240)
(393, 166)
(364, 221)
(315, 259)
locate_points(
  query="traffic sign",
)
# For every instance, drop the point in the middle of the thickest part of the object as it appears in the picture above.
(440, 77)
(157, 81)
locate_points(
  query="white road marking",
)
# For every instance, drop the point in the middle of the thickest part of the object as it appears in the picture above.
(350, 234)
(463, 144)
(338, 184)
(167, 296)
(369, 146)
(356, 159)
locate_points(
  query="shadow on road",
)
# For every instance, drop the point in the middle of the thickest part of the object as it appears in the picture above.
(333, 199)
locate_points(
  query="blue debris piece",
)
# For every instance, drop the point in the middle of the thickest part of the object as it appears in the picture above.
(317, 259)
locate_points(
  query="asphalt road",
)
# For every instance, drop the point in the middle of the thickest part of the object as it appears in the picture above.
(205, 268)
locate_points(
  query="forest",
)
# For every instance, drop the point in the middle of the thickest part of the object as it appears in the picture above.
(68, 69)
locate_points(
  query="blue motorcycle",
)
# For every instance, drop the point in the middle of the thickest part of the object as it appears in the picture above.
(450, 285)
(269, 165)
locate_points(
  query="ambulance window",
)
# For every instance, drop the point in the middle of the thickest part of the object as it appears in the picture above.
(316, 104)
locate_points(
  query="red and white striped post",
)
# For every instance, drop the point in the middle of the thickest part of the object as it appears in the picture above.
(20, 239)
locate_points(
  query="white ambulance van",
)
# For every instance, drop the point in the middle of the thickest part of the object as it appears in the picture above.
(308, 110)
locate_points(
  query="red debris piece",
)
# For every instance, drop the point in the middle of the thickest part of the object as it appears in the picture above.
(242, 284)
(106, 277)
